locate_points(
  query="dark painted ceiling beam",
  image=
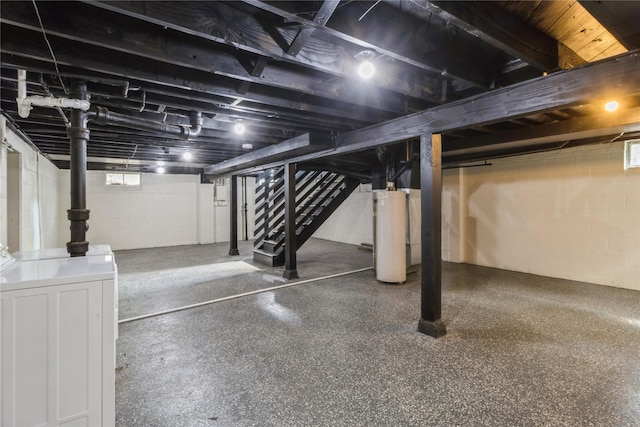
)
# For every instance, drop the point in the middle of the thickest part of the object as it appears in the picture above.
(620, 18)
(219, 97)
(223, 24)
(302, 144)
(599, 125)
(489, 22)
(321, 18)
(455, 67)
(147, 41)
(598, 81)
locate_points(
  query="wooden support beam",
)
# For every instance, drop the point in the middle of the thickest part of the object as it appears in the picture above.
(302, 144)
(431, 236)
(511, 35)
(321, 18)
(616, 76)
(290, 247)
(224, 24)
(598, 125)
(255, 71)
(457, 67)
(194, 56)
(233, 217)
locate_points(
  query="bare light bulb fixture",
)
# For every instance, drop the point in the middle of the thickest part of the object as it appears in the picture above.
(366, 69)
(160, 170)
(239, 128)
(611, 106)
(187, 155)
(160, 163)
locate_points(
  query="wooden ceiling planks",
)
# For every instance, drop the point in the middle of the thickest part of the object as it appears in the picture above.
(572, 25)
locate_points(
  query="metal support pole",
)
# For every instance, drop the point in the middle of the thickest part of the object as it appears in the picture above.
(290, 269)
(233, 227)
(78, 214)
(431, 235)
(245, 210)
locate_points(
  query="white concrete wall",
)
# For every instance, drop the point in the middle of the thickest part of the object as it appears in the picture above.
(352, 222)
(166, 210)
(39, 209)
(571, 213)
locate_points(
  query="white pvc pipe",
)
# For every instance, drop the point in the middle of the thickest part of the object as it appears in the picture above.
(22, 84)
(213, 301)
(25, 102)
(49, 101)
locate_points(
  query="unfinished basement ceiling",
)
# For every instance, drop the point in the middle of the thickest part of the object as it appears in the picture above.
(287, 69)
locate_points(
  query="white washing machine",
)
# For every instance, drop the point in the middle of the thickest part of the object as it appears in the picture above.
(58, 339)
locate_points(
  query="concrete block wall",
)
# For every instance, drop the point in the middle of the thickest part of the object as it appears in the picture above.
(39, 210)
(352, 222)
(166, 210)
(572, 213)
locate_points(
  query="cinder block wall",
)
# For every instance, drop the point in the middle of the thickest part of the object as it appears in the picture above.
(571, 213)
(166, 210)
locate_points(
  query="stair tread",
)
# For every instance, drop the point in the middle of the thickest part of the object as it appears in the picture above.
(265, 253)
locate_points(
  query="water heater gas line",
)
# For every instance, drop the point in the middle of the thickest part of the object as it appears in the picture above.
(26, 103)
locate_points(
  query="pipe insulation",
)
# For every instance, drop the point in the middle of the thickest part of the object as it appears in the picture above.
(259, 291)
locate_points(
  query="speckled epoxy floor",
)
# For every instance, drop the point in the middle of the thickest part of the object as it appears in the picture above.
(520, 349)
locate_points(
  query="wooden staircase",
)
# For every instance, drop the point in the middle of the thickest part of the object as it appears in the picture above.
(318, 195)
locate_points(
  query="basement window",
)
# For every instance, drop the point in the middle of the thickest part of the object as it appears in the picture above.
(123, 179)
(632, 154)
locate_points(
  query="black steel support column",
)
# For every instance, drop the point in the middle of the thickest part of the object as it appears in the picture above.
(290, 269)
(431, 235)
(78, 214)
(233, 227)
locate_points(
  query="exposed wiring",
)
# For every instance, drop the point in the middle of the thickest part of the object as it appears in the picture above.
(44, 34)
(368, 10)
(48, 92)
(144, 101)
(135, 150)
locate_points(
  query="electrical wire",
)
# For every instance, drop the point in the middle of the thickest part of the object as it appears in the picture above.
(44, 34)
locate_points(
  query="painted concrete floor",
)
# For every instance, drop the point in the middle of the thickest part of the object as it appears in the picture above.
(521, 350)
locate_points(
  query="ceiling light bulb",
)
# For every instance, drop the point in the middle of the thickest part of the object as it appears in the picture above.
(160, 170)
(239, 128)
(187, 155)
(366, 70)
(611, 106)
(247, 146)
(160, 163)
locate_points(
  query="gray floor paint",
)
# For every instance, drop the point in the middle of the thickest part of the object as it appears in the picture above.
(520, 349)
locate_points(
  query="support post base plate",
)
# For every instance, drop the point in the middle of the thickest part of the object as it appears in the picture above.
(433, 329)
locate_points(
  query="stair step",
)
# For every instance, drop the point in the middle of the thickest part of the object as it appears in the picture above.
(264, 257)
(269, 245)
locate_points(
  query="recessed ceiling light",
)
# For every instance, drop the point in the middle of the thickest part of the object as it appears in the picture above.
(611, 106)
(247, 146)
(160, 170)
(187, 155)
(239, 128)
